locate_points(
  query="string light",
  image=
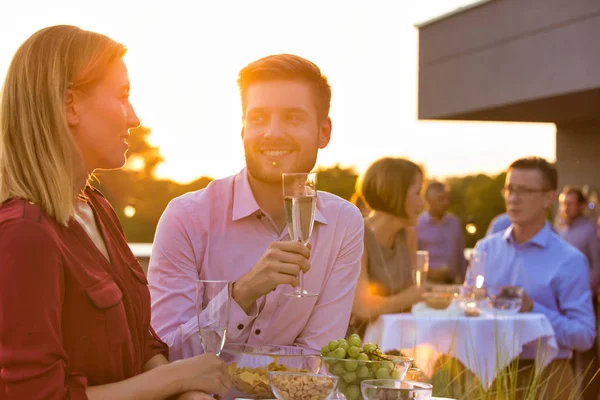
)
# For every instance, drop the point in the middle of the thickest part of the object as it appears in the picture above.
(129, 211)
(471, 228)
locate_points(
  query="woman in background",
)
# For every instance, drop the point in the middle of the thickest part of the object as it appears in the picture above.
(358, 201)
(74, 302)
(391, 187)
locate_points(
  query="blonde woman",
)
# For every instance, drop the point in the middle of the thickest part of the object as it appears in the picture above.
(392, 189)
(74, 302)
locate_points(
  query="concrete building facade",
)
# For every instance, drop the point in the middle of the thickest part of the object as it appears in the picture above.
(519, 60)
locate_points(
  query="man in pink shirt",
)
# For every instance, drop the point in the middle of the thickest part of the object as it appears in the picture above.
(235, 229)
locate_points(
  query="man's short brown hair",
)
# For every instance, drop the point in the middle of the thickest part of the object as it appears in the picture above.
(287, 67)
(547, 170)
(435, 186)
(575, 191)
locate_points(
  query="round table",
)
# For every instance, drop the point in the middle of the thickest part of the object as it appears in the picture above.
(485, 344)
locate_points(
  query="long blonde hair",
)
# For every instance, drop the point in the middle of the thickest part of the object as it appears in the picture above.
(39, 159)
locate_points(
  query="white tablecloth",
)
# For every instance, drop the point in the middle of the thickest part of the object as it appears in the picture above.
(485, 344)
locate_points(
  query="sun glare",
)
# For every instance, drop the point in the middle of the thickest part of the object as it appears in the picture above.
(183, 63)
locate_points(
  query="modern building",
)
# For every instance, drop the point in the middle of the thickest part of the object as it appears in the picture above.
(519, 60)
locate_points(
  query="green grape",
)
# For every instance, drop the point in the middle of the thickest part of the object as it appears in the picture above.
(354, 335)
(369, 347)
(342, 385)
(396, 373)
(343, 346)
(333, 345)
(371, 375)
(350, 376)
(376, 365)
(339, 353)
(351, 365)
(362, 357)
(325, 350)
(352, 392)
(362, 372)
(353, 351)
(338, 369)
(382, 373)
(355, 341)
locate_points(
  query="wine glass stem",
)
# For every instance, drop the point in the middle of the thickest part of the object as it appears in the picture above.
(301, 280)
(301, 274)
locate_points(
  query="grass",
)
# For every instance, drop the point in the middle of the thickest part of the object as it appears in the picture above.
(512, 381)
(452, 379)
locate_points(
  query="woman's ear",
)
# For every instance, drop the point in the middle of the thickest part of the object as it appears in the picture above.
(71, 108)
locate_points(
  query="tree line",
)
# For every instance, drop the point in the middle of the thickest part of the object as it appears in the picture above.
(139, 199)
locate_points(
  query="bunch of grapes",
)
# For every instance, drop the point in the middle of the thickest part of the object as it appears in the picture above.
(355, 362)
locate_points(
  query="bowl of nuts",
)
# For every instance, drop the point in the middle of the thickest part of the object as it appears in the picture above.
(438, 300)
(249, 366)
(302, 386)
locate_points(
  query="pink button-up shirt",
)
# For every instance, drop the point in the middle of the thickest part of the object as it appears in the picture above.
(219, 233)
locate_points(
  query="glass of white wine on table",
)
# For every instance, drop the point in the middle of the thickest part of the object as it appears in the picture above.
(421, 268)
(213, 300)
(300, 203)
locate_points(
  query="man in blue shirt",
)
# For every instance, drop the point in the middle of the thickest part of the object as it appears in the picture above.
(441, 234)
(580, 231)
(499, 224)
(554, 274)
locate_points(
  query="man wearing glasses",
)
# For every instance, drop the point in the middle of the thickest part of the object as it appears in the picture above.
(553, 274)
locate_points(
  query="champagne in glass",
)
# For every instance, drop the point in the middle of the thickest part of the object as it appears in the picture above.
(300, 216)
(300, 203)
(420, 270)
(213, 300)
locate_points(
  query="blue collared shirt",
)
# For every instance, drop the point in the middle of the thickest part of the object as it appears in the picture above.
(555, 275)
(500, 223)
(444, 241)
(582, 234)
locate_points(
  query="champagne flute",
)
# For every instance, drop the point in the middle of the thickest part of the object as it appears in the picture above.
(421, 269)
(213, 300)
(477, 266)
(300, 202)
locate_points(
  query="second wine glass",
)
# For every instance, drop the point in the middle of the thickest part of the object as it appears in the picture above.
(421, 268)
(300, 203)
(213, 300)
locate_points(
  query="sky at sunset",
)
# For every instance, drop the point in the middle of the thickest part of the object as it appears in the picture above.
(184, 57)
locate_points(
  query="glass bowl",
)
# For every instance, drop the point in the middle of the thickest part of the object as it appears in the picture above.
(506, 300)
(415, 374)
(390, 389)
(249, 366)
(352, 372)
(301, 386)
(442, 288)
